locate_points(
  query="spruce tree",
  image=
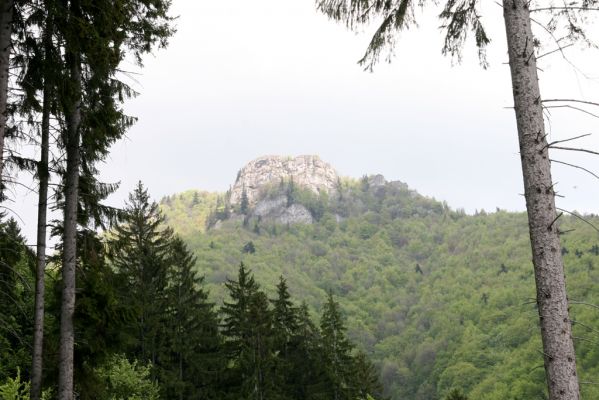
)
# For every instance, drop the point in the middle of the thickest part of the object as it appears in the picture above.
(247, 328)
(306, 373)
(190, 360)
(285, 326)
(336, 352)
(16, 264)
(365, 378)
(94, 37)
(138, 250)
(244, 204)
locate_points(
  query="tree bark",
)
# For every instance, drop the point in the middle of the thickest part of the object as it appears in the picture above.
(6, 16)
(43, 174)
(556, 333)
(69, 256)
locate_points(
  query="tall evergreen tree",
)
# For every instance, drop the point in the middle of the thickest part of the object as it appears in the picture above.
(244, 204)
(365, 380)
(6, 30)
(16, 295)
(306, 372)
(336, 352)
(247, 328)
(190, 359)
(96, 37)
(138, 250)
(285, 335)
(39, 88)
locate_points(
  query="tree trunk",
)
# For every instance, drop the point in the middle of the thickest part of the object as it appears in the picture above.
(69, 256)
(6, 15)
(43, 174)
(556, 333)
(38, 327)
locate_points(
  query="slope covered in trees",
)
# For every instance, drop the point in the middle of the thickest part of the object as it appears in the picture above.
(439, 299)
(146, 328)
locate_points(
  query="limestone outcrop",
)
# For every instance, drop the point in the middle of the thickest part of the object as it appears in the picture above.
(307, 171)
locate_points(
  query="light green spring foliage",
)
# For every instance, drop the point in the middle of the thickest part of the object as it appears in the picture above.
(125, 380)
(189, 210)
(437, 298)
(14, 388)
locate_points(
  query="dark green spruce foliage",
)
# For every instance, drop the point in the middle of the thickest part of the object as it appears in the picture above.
(16, 299)
(174, 327)
(139, 250)
(365, 380)
(278, 353)
(285, 327)
(244, 205)
(249, 338)
(190, 359)
(144, 321)
(304, 361)
(336, 353)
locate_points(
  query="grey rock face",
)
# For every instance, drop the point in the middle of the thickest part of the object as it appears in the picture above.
(276, 210)
(307, 171)
(296, 214)
(268, 207)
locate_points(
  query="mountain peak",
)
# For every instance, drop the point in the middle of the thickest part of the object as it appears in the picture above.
(307, 171)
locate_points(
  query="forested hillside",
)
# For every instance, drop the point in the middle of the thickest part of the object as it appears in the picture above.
(148, 330)
(437, 298)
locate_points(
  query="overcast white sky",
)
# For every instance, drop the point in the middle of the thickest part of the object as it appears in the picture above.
(243, 79)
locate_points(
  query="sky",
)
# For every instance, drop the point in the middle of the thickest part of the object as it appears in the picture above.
(244, 79)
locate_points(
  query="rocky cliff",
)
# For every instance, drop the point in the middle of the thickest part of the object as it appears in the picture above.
(307, 171)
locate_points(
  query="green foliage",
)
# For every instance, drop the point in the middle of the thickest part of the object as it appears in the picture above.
(16, 299)
(422, 286)
(456, 394)
(125, 380)
(336, 352)
(138, 251)
(244, 204)
(14, 389)
(249, 248)
(173, 325)
(189, 358)
(189, 211)
(247, 328)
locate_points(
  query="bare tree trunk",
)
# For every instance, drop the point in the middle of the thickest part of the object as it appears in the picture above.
(69, 257)
(43, 174)
(556, 333)
(6, 15)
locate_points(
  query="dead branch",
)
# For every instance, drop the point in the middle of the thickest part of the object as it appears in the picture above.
(574, 149)
(576, 166)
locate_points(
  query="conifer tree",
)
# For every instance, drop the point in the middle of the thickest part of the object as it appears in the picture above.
(6, 30)
(247, 328)
(336, 352)
(284, 314)
(365, 380)
(244, 203)
(285, 335)
(139, 251)
(95, 38)
(190, 359)
(306, 374)
(16, 262)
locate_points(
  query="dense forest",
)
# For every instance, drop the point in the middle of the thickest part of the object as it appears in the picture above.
(147, 328)
(201, 297)
(437, 298)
